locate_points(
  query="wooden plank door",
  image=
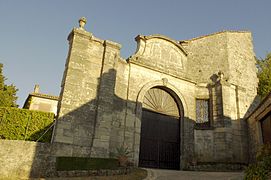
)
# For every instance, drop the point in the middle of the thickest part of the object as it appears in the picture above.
(160, 141)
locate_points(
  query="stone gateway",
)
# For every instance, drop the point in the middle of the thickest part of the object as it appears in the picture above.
(174, 104)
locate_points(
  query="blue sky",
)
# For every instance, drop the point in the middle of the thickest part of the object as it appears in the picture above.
(33, 45)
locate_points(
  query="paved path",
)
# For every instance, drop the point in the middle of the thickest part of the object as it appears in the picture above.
(158, 174)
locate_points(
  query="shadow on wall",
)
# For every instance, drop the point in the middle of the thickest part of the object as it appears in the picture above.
(226, 142)
(92, 123)
(97, 127)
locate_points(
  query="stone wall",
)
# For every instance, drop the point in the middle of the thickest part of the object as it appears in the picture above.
(231, 95)
(25, 159)
(120, 105)
(206, 56)
(73, 101)
(242, 63)
(43, 104)
(85, 108)
(141, 80)
(254, 126)
(102, 94)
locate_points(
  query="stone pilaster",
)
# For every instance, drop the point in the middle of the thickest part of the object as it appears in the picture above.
(105, 100)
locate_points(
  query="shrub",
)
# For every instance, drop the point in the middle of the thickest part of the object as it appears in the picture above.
(24, 124)
(85, 163)
(122, 155)
(262, 168)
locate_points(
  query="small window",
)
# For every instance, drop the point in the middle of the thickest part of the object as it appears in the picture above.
(202, 113)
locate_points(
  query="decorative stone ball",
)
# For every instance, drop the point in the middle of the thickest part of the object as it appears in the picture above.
(82, 21)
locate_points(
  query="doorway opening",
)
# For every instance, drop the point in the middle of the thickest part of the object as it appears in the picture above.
(160, 131)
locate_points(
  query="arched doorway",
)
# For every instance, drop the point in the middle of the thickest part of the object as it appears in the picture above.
(160, 130)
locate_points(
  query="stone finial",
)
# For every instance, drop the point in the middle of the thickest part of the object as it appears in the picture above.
(82, 21)
(37, 88)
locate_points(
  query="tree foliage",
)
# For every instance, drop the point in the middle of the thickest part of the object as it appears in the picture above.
(262, 168)
(264, 75)
(7, 92)
(24, 124)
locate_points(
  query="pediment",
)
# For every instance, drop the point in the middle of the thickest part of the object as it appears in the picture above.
(161, 53)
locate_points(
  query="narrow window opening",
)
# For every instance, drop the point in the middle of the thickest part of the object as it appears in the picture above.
(202, 113)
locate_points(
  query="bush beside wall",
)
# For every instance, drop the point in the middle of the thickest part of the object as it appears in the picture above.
(24, 124)
(260, 170)
(85, 163)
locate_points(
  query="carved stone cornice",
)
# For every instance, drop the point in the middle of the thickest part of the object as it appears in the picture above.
(159, 36)
(79, 32)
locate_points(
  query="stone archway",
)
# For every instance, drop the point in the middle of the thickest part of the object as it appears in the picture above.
(173, 91)
(160, 130)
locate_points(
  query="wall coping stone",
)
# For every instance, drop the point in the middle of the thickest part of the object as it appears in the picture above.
(100, 172)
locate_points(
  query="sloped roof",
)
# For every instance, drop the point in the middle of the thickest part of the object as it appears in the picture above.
(44, 96)
(212, 34)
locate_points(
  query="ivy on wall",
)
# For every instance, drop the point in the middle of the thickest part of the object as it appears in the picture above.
(24, 124)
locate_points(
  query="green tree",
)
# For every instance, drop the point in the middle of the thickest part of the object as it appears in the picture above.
(264, 75)
(7, 92)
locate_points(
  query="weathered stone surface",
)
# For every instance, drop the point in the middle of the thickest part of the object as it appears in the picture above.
(102, 94)
(24, 159)
(255, 128)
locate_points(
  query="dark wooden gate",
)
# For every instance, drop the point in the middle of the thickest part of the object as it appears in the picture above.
(266, 129)
(160, 141)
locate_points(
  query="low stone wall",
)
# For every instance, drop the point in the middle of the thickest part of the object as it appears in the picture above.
(27, 159)
(24, 159)
(218, 167)
(102, 172)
